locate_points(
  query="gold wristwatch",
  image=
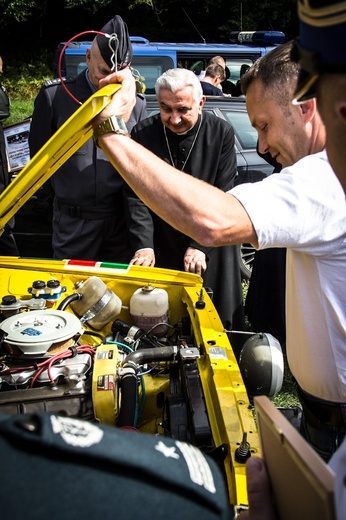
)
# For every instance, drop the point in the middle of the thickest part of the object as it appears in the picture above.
(113, 124)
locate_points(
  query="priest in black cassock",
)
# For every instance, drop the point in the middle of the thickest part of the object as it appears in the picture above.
(201, 145)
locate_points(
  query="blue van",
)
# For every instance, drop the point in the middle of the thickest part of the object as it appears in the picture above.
(151, 59)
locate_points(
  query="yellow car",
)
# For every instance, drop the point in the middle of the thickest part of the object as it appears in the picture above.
(126, 346)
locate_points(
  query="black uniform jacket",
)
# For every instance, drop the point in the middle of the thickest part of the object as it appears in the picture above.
(87, 176)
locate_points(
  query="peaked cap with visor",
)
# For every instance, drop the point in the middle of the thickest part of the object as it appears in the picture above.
(116, 49)
(320, 47)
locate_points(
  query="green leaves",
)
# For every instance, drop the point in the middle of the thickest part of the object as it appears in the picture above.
(19, 10)
(88, 5)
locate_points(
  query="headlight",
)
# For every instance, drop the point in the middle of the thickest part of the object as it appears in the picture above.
(261, 365)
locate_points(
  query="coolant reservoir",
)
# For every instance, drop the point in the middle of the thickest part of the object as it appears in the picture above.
(98, 305)
(148, 308)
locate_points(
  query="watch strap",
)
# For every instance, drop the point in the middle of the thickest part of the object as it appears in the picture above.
(113, 124)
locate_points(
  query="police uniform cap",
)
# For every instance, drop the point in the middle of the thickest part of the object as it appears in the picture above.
(117, 50)
(320, 47)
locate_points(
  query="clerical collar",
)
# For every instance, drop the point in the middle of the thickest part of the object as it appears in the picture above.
(192, 145)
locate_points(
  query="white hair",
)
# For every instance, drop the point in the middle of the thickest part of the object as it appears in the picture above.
(177, 79)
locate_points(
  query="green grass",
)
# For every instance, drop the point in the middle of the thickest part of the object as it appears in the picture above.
(288, 394)
(23, 79)
(20, 110)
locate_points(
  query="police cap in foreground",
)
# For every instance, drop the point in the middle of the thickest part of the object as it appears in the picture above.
(320, 48)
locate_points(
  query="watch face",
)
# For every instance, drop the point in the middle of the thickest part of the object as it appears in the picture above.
(118, 124)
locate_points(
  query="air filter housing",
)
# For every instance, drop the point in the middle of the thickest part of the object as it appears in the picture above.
(40, 333)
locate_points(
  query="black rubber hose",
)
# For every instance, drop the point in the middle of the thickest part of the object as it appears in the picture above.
(66, 302)
(150, 355)
(128, 409)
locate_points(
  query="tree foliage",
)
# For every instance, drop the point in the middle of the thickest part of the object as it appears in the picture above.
(29, 24)
(91, 6)
(19, 11)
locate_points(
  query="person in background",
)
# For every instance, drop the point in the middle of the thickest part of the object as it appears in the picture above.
(214, 76)
(320, 52)
(228, 86)
(302, 208)
(200, 145)
(8, 246)
(88, 207)
(219, 60)
(243, 69)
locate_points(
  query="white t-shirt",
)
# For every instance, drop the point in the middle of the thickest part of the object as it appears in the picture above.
(303, 208)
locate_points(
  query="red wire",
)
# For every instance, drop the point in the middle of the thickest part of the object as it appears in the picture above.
(65, 354)
(62, 54)
(47, 364)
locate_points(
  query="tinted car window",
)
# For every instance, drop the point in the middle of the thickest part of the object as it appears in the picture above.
(234, 66)
(245, 132)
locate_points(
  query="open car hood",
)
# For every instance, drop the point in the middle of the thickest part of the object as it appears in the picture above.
(68, 138)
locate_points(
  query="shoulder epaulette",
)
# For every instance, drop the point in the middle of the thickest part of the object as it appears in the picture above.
(140, 95)
(57, 81)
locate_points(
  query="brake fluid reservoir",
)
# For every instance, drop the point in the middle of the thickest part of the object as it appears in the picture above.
(149, 309)
(98, 305)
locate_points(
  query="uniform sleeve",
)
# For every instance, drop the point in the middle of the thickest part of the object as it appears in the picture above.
(41, 128)
(4, 175)
(139, 221)
(138, 217)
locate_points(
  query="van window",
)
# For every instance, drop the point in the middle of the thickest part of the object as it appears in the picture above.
(74, 65)
(234, 65)
(151, 59)
(150, 68)
(194, 64)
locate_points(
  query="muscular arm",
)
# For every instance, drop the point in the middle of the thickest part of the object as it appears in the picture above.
(196, 208)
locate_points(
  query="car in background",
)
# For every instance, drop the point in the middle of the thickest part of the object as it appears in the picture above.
(251, 167)
(151, 59)
(33, 221)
